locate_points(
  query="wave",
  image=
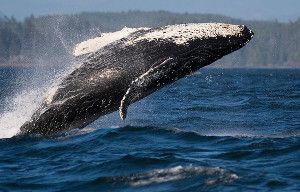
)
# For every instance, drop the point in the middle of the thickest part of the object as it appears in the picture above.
(205, 176)
(197, 135)
(13, 119)
(180, 133)
(179, 173)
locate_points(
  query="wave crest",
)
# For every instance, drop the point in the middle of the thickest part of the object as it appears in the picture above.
(218, 174)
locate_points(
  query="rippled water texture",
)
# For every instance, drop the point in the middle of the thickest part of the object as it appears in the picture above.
(217, 130)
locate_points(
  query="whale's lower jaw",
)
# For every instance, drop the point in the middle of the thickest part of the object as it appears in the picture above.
(127, 69)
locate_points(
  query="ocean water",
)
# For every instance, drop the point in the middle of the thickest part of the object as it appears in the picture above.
(216, 130)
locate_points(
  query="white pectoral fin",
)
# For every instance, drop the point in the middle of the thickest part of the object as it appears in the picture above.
(139, 88)
(125, 103)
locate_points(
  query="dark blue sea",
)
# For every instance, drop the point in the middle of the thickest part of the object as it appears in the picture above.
(216, 130)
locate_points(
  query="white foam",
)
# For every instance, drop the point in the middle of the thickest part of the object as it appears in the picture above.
(180, 172)
(182, 33)
(92, 45)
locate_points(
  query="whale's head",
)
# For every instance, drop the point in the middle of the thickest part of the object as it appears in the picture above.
(192, 46)
(173, 51)
(197, 43)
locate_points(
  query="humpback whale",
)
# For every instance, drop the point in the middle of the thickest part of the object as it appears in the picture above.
(120, 68)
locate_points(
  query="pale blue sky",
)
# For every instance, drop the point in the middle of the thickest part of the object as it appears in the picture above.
(283, 10)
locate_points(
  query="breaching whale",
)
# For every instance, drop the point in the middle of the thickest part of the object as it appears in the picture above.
(125, 66)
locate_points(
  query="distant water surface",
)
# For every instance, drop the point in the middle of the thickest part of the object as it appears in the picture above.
(217, 130)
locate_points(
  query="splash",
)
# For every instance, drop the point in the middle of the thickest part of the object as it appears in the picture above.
(44, 78)
(20, 109)
(21, 106)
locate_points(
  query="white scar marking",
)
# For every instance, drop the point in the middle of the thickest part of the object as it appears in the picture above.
(51, 94)
(108, 73)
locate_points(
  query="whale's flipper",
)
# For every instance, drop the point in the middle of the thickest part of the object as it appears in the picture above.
(141, 86)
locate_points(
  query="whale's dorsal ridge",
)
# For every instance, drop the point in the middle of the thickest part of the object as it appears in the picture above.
(182, 33)
(92, 45)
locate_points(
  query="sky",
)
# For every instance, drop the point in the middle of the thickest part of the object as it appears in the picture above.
(281, 10)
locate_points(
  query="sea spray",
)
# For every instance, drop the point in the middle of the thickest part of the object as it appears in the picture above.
(45, 74)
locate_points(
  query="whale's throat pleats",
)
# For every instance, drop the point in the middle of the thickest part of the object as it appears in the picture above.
(145, 84)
